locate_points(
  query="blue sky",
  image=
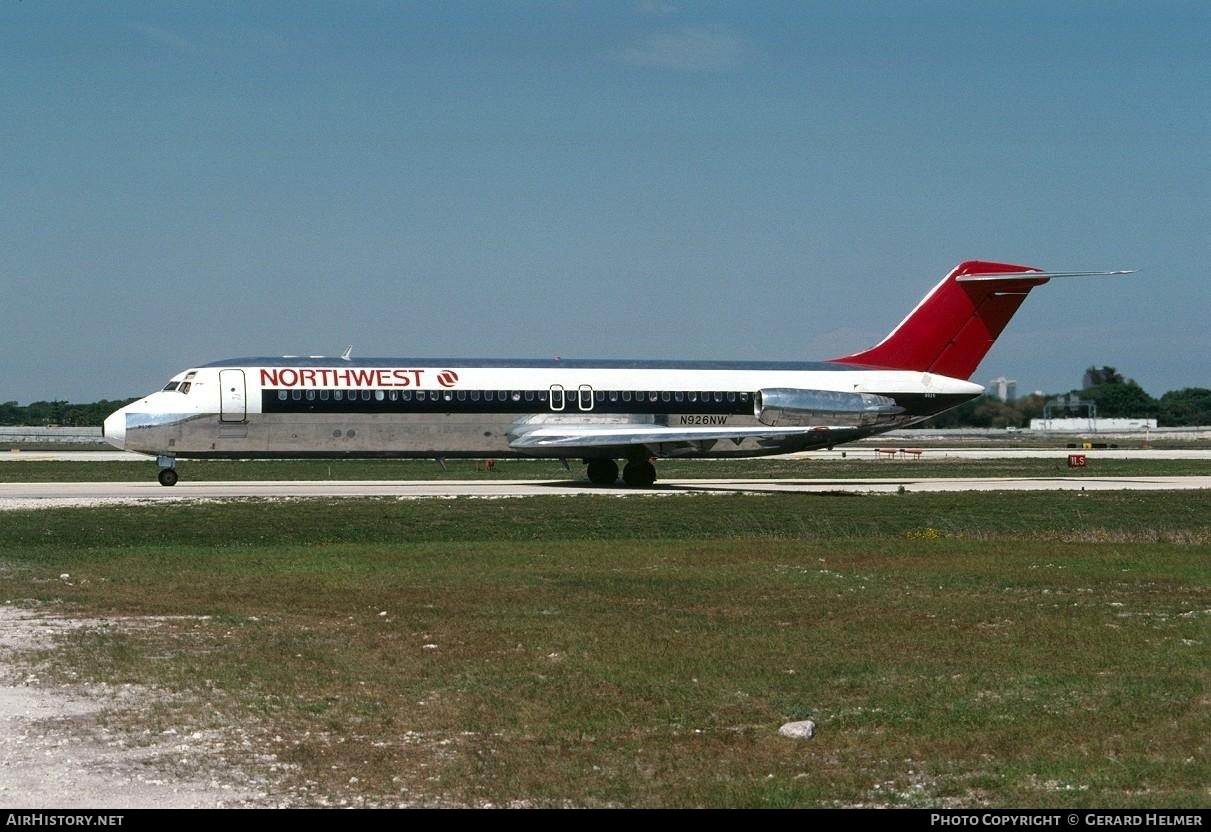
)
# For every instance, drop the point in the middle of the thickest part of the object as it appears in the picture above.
(183, 182)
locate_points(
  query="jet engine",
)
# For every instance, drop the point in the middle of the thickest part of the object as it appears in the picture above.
(792, 407)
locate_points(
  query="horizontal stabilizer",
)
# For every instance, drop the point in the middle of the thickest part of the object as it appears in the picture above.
(975, 278)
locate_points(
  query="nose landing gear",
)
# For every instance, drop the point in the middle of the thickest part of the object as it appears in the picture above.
(168, 472)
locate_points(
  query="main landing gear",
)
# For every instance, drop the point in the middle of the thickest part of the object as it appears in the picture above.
(603, 471)
(638, 473)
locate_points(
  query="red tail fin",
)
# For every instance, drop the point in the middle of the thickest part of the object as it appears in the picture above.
(953, 328)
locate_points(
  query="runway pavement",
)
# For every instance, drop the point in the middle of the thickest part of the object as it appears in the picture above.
(53, 495)
(61, 455)
(927, 452)
(47, 495)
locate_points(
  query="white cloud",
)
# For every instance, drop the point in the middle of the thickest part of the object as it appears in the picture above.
(688, 48)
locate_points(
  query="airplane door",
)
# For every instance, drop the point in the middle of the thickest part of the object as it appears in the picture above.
(232, 396)
(558, 400)
(584, 398)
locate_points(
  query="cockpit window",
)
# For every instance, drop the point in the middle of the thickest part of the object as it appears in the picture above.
(170, 386)
(185, 385)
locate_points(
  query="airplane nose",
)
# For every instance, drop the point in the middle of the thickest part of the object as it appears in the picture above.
(114, 429)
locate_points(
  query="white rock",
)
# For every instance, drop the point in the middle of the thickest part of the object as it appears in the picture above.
(804, 730)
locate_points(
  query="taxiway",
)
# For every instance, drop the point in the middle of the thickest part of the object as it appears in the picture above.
(64, 494)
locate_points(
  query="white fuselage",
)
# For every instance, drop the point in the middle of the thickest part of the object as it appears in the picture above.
(301, 407)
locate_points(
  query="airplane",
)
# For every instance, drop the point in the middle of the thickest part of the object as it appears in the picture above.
(595, 411)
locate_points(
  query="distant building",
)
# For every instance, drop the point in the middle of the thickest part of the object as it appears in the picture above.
(1005, 389)
(1094, 425)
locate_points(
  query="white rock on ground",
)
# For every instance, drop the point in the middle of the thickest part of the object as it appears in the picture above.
(803, 730)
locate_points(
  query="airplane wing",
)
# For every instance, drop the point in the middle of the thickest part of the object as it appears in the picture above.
(587, 436)
(784, 413)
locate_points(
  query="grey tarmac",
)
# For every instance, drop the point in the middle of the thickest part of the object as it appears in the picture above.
(66, 494)
(865, 451)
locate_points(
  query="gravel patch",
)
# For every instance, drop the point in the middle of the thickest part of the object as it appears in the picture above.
(56, 751)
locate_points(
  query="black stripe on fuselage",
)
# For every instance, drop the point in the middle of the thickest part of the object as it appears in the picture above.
(712, 402)
(505, 401)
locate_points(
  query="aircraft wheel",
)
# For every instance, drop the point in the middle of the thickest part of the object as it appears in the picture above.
(603, 471)
(639, 474)
(167, 476)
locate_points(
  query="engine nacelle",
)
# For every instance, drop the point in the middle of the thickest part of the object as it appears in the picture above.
(791, 407)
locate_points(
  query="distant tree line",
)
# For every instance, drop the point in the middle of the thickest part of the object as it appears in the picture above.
(1177, 408)
(1115, 397)
(41, 414)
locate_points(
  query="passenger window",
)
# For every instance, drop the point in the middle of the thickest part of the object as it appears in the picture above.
(448, 396)
(420, 395)
(666, 396)
(406, 395)
(731, 396)
(323, 395)
(693, 396)
(516, 396)
(365, 395)
(281, 395)
(462, 395)
(310, 395)
(626, 395)
(529, 395)
(474, 395)
(338, 395)
(296, 394)
(718, 396)
(652, 396)
(393, 395)
(679, 396)
(379, 395)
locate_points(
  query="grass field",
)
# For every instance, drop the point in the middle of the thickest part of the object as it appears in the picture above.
(1025, 649)
(864, 467)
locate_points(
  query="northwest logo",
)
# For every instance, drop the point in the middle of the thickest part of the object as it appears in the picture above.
(447, 378)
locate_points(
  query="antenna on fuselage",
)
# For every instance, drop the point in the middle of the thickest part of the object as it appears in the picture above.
(348, 352)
